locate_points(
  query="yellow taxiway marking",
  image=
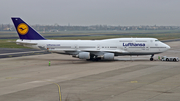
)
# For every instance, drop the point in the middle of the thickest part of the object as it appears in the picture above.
(8, 78)
(59, 91)
(134, 81)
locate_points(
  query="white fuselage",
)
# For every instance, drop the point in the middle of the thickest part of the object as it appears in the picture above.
(118, 46)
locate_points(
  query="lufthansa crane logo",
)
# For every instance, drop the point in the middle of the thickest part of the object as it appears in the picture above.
(22, 28)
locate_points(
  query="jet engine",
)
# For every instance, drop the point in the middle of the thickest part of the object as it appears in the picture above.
(108, 56)
(83, 55)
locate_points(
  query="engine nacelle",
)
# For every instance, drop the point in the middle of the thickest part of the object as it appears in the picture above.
(108, 56)
(84, 55)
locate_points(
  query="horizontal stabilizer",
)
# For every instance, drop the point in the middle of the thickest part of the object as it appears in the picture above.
(25, 42)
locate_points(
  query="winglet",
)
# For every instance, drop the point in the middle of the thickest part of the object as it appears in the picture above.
(25, 31)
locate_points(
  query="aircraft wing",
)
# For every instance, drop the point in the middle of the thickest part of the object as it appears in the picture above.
(101, 52)
(95, 52)
(112, 51)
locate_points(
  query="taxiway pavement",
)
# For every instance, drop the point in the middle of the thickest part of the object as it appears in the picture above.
(17, 52)
(29, 78)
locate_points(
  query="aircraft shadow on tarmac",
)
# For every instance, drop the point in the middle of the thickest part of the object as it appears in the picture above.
(79, 61)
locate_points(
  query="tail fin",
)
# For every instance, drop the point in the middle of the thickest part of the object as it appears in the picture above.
(25, 31)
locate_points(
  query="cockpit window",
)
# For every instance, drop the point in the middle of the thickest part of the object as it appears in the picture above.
(156, 40)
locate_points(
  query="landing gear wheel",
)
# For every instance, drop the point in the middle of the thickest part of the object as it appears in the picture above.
(151, 59)
(174, 59)
(96, 59)
(93, 58)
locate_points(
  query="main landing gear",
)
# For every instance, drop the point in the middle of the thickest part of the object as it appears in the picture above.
(151, 59)
(93, 58)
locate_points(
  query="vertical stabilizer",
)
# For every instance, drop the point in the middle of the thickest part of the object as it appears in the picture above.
(25, 31)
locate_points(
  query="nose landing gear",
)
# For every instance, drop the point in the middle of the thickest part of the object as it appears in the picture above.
(151, 59)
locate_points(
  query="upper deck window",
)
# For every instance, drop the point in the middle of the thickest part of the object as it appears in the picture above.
(125, 41)
(141, 41)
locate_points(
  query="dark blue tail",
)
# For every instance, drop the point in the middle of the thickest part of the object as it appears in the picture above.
(25, 31)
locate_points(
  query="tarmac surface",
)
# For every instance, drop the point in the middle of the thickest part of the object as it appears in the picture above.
(17, 52)
(29, 78)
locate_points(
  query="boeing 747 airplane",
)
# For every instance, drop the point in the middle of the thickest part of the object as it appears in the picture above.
(105, 49)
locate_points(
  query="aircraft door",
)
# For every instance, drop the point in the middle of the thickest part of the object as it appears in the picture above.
(147, 47)
(75, 47)
(98, 47)
(125, 48)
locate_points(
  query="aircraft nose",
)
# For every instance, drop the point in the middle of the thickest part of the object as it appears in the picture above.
(168, 47)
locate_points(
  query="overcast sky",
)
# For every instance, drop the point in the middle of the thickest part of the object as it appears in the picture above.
(92, 12)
